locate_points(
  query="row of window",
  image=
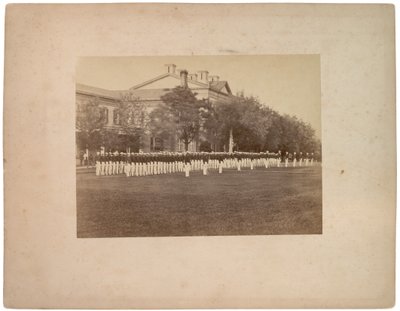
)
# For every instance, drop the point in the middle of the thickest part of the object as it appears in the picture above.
(156, 144)
(137, 118)
(104, 115)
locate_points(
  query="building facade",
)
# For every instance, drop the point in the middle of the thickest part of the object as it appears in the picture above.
(208, 87)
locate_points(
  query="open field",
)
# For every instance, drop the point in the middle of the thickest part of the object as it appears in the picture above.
(258, 202)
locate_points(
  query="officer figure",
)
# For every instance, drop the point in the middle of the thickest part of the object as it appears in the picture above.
(116, 163)
(106, 162)
(239, 161)
(140, 159)
(205, 166)
(121, 163)
(111, 164)
(266, 159)
(279, 159)
(187, 164)
(170, 160)
(158, 164)
(286, 159)
(220, 158)
(127, 169)
(174, 163)
(145, 164)
(134, 164)
(98, 165)
(102, 164)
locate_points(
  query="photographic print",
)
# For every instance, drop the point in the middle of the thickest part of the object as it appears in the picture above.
(198, 146)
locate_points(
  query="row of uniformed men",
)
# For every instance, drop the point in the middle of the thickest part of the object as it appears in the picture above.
(297, 159)
(143, 164)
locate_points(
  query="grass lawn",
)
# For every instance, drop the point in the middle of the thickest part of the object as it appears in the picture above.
(262, 201)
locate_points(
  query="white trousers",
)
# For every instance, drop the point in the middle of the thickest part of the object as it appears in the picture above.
(205, 167)
(98, 168)
(127, 169)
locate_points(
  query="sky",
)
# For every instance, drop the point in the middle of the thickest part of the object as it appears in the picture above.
(289, 84)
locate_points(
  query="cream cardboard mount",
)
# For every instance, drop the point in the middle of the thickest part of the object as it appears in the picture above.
(350, 265)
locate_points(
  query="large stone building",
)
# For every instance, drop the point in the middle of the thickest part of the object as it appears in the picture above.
(149, 92)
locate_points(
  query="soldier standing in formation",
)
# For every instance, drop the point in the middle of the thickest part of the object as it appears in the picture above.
(98, 164)
(286, 158)
(279, 158)
(187, 164)
(220, 163)
(144, 164)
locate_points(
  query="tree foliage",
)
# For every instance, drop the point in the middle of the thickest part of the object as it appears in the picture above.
(133, 121)
(248, 120)
(90, 121)
(180, 114)
(257, 127)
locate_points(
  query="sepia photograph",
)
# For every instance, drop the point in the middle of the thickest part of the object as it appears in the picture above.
(187, 146)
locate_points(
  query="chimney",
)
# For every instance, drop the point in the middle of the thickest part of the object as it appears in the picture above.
(171, 68)
(192, 77)
(184, 76)
(214, 78)
(203, 74)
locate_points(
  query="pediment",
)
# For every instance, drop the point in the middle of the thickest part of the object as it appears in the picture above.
(167, 82)
(164, 82)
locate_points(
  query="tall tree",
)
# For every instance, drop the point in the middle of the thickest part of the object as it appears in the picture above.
(133, 118)
(226, 123)
(245, 120)
(180, 114)
(90, 120)
(256, 127)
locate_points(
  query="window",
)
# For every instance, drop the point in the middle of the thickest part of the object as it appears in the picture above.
(158, 144)
(116, 118)
(104, 114)
(151, 143)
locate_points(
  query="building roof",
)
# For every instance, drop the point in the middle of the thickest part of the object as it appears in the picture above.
(96, 91)
(219, 85)
(213, 85)
(173, 75)
(151, 94)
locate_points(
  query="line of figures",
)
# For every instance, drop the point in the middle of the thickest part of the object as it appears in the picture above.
(144, 164)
